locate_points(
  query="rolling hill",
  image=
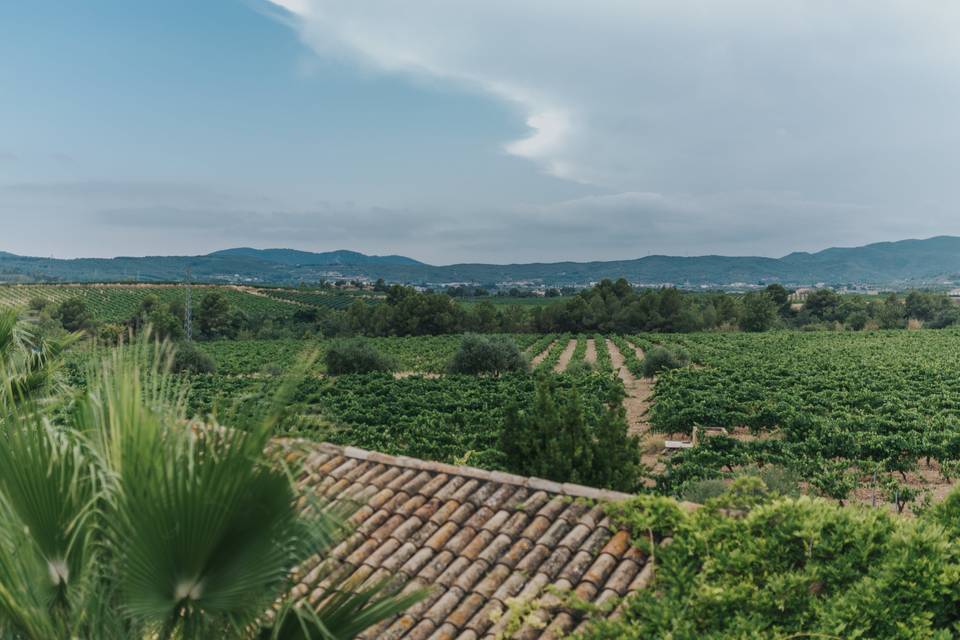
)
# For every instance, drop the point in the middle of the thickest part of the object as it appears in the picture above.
(906, 263)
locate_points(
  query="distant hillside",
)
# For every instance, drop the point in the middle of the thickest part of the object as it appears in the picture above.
(293, 257)
(935, 261)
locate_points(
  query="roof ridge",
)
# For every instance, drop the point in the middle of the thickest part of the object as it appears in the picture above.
(537, 484)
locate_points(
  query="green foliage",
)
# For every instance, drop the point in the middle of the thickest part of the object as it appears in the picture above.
(355, 356)
(165, 320)
(452, 418)
(119, 303)
(215, 317)
(74, 315)
(130, 522)
(659, 359)
(616, 307)
(789, 568)
(555, 439)
(824, 403)
(188, 358)
(834, 480)
(487, 354)
(699, 491)
(603, 354)
(553, 355)
(759, 312)
(30, 365)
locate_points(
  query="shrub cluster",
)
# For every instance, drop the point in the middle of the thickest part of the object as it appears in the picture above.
(487, 354)
(355, 356)
(189, 359)
(752, 565)
(660, 359)
(556, 439)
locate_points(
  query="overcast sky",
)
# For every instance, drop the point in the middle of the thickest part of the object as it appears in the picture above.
(477, 130)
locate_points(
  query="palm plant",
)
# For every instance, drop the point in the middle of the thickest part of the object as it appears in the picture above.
(131, 521)
(30, 363)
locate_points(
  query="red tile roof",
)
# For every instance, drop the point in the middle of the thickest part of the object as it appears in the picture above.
(478, 540)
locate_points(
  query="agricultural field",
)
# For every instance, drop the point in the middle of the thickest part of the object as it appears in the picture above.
(840, 409)
(326, 299)
(117, 303)
(415, 354)
(415, 412)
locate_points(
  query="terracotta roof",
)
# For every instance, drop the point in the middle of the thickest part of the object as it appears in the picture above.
(478, 540)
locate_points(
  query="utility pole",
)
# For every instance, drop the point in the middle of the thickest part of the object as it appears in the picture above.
(188, 312)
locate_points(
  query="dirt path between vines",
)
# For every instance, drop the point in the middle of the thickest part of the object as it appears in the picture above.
(639, 391)
(540, 356)
(565, 357)
(591, 355)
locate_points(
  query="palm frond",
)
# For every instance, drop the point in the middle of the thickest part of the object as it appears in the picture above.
(48, 492)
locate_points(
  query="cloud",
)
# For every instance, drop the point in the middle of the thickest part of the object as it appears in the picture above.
(840, 101)
(143, 218)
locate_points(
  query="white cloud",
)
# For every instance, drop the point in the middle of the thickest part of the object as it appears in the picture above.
(683, 95)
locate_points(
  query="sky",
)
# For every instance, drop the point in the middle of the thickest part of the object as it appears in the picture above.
(477, 131)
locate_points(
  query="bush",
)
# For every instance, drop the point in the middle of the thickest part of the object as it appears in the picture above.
(487, 354)
(662, 359)
(189, 359)
(355, 356)
(790, 568)
(73, 315)
(580, 367)
(781, 481)
(555, 439)
(699, 491)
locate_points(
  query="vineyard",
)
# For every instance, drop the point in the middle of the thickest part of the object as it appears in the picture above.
(337, 300)
(417, 354)
(117, 303)
(449, 419)
(839, 408)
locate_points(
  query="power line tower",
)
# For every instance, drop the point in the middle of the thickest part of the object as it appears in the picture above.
(188, 312)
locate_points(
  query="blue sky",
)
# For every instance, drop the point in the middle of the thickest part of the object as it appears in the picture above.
(496, 131)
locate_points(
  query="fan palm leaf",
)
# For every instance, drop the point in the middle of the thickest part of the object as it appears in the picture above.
(133, 522)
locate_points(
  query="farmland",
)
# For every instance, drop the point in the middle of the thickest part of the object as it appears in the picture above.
(420, 354)
(448, 418)
(841, 410)
(836, 407)
(117, 303)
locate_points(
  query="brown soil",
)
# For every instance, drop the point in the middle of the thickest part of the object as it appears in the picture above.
(565, 357)
(638, 392)
(407, 374)
(539, 357)
(591, 354)
(924, 479)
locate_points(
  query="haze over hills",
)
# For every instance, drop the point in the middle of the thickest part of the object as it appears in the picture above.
(934, 261)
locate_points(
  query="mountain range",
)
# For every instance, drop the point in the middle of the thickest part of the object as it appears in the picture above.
(905, 263)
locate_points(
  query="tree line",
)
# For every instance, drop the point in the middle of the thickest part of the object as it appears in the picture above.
(608, 307)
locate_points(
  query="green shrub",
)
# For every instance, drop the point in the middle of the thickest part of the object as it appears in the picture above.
(579, 367)
(781, 481)
(355, 356)
(700, 491)
(662, 359)
(487, 354)
(74, 315)
(789, 568)
(557, 440)
(189, 359)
